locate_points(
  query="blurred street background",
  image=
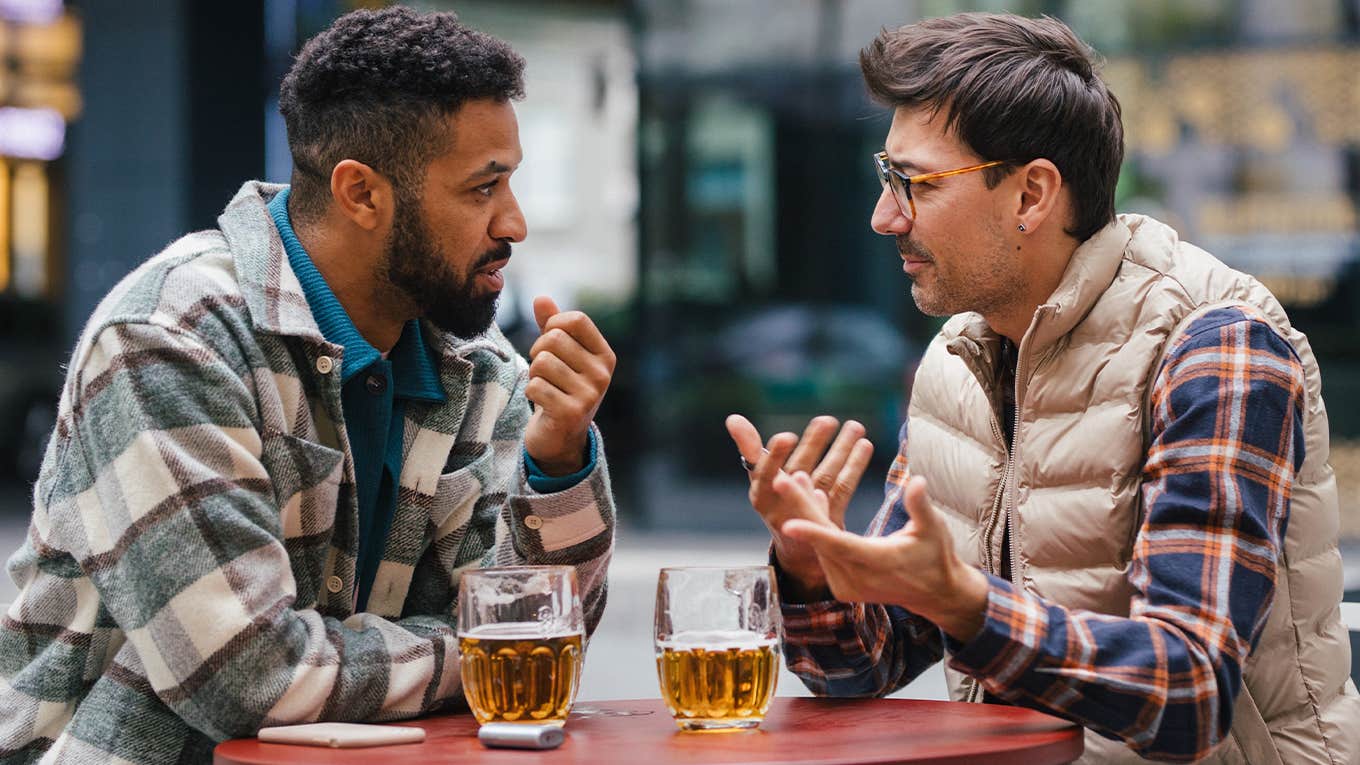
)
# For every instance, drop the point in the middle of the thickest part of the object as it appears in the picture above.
(696, 177)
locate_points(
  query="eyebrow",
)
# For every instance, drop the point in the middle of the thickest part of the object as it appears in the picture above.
(491, 168)
(907, 166)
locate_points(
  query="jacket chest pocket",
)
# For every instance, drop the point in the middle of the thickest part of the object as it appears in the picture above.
(468, 476)
(306, 477)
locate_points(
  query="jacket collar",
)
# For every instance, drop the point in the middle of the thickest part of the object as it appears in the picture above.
(269, 285)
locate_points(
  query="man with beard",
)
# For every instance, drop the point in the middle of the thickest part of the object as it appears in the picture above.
(1132, 523)
(280, 442)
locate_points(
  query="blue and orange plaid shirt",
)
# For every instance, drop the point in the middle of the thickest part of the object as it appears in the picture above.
(1216, 488)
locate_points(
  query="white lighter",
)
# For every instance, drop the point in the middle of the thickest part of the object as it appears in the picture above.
(520, 735)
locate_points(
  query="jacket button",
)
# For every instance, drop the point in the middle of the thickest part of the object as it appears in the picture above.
(533, 522)
(334, 584)
(324, 364)
(376, 384)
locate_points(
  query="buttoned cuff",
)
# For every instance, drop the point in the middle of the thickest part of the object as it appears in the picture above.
(566, 524)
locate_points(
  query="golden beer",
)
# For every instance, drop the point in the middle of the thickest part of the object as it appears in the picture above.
(713, 683)
(520, 678)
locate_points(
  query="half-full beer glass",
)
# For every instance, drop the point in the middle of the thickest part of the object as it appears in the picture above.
(520, 633)
(717, 645)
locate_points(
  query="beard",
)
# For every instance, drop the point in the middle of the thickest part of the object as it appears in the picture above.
(990, 282)
(928, 301)
(415, 269)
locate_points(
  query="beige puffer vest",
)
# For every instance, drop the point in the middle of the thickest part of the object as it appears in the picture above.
(1070, 490)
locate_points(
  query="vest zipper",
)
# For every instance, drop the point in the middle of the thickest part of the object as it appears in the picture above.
(1010, 468)
(1000, 506)
(998, 502)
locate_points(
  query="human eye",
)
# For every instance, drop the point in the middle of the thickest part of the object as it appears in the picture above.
(487, 189)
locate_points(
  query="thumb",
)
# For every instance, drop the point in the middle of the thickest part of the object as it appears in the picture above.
(544, 309)
(921, 513)
(745, 436)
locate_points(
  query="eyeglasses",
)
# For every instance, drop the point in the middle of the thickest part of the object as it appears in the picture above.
(901, 182)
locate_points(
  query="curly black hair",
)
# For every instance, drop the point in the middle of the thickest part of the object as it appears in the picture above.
(377, 86)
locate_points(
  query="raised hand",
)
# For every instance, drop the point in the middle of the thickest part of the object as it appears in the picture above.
(570, 367)
(836, 471)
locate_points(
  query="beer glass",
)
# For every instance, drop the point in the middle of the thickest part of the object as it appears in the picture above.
(717, 645)
(520, 635)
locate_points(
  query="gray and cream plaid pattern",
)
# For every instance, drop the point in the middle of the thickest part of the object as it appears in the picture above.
(189, 572)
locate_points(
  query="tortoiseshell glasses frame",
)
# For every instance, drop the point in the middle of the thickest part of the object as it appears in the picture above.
(901, 182)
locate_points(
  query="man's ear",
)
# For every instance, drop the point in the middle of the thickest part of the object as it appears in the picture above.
(362, 194)
(1041, 195)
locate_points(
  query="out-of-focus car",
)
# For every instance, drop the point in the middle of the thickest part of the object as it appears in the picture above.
(783, 365)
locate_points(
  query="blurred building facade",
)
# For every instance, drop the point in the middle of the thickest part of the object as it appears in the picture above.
(697, 176)
(40, 52)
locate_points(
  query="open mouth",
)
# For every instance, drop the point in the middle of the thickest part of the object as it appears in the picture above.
(491, 276)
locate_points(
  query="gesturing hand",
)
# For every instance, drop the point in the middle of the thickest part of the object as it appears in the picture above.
(915, 567)
(570, 366)
(836, 472)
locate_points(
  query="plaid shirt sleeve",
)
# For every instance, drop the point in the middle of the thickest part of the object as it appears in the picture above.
(1216, 486)
(861, 649)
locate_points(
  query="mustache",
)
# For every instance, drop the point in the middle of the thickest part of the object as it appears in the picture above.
(906, 246)
(500, 252)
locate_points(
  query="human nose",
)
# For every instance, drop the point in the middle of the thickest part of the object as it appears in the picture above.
(509, 223)
(887, 218)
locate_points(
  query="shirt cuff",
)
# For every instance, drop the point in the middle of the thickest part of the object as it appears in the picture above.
(546, 484)
(1009, 641)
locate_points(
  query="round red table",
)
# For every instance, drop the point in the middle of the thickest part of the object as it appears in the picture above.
(797, 731)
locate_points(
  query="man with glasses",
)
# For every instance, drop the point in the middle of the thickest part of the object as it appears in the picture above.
(1131, 521)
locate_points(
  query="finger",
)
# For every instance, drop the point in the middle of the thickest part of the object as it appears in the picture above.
(544, 309)
(921, 514)
(810, 447)
(557, 341)
(745, 436)
(848, 479)
(827, 540)
(776, 452)
(581, 328)
(553, 401)
(830, 467)
(548, 367)
(797, 488)
(810, 502)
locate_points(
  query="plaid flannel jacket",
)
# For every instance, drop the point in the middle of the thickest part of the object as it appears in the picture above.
(189, 573)
(1226, 442)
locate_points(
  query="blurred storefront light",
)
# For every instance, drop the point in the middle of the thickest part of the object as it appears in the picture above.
(31, 133)
(4, 225)
(30, 11)
(31, 195)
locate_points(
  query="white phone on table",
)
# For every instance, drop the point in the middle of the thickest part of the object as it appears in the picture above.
(339, 735)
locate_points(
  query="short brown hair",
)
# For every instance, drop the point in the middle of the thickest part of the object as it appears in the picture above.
(1013, 89)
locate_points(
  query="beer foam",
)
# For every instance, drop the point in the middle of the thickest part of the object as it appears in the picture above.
(718, 640)
(515, 631)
